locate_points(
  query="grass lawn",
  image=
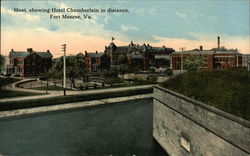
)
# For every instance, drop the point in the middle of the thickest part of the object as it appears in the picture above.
(7, 93)
(228, 90)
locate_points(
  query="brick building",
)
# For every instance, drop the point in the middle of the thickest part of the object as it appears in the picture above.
(212, 59)
(142, 56)
(29, 63)
(96, 61)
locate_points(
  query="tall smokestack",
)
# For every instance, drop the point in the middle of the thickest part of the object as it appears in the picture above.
(218, 38)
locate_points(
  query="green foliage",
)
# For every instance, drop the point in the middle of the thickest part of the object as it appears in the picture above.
(1, 62)
(135, 70)
(228, 90)
(113, 81)
(122, 59)
(192, 63)
(168, 72)
(123, 69)
(75, 68)
(112, 73)
(152, 78)
(151, 70)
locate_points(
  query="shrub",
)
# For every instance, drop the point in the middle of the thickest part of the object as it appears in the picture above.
(112, 73)
(152, 78)
(151, 70)
(168, 72)
(113, 81)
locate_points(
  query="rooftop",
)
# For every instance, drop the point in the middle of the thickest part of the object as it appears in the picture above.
(206, 52)
(95, 55)
(23, 54)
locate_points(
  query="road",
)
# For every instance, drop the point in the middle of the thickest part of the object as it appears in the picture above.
(60, 93)
(123, 129)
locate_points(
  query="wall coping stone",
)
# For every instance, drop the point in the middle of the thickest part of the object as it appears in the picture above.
(229, 116)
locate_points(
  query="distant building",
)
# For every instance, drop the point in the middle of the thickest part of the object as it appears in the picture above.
(142, 56)
(213, 59)
(245, 60)
(96, 61)
(29, 63)
(135, 59)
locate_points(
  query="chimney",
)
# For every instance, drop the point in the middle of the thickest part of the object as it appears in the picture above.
(218, 38)
(12, 50)
(96, 52)
(86, 52)
(201, 48)
(48, 51)
(29, 50)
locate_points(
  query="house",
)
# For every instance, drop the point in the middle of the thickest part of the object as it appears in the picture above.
(143, 56)
(29, 63)
(96, 61)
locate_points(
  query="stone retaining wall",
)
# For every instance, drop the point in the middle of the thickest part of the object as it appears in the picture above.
(184, 126)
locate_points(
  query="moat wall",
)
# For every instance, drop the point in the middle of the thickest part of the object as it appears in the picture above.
(184, 126)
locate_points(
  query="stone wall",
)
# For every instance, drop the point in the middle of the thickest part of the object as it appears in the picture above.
(184, 126)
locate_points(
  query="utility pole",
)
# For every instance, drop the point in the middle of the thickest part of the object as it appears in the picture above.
(64, 68)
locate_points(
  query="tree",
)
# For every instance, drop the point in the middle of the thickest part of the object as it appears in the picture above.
(122, 59)
(75, 68)
(56, 72)
(152, 78)
(192, 63)
(123, 69)
(112, 73)
(135, 70)
(168, 72)
(151, 70)
(1, 62)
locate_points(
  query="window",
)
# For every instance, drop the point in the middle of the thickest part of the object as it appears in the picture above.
(205, 59)
(20, 61)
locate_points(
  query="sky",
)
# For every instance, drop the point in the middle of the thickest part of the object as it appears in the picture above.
(174, 24)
